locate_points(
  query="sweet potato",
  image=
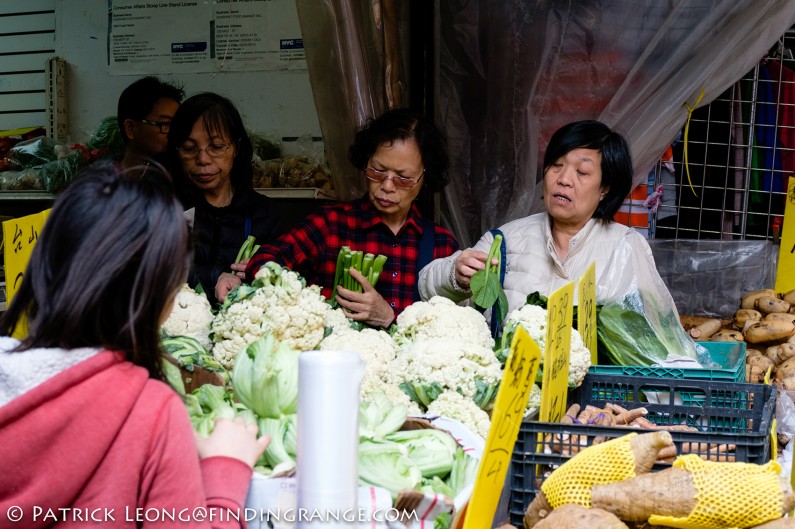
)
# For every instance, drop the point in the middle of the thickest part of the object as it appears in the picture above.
(789, 297)
(769, 331)
(742, 316)
(727, 335)
(704, 330)
(768, 304)
(571, 516)
(749, 298)
(644, 451)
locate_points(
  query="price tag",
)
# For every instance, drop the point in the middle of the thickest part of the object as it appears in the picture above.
(586, 310)
(785, 279)
(509, 407)
(19, 237)
(555, 383)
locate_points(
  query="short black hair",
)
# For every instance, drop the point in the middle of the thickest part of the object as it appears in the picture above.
(138, 99)
(110, 258)
(220, 116)
(616, 159)
(404, 124)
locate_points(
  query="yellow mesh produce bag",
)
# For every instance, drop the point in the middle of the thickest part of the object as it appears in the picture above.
(606, 462)
(729, 495)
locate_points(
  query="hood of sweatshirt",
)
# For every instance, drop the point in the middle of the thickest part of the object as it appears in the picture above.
(60, 412)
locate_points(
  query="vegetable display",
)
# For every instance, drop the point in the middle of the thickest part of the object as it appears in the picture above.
(191, 315)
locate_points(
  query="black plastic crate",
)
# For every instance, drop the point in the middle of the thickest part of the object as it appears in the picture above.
(726, 413)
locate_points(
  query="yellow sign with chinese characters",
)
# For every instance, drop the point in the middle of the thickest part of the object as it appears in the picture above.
(785, 278)
(555, 383)
(509, 408)
(19, 237)
(586, 310)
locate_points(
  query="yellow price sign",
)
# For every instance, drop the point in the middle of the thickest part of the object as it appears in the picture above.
(555, 383)
(509, 408)
(19, 237)
(586, 309)
(785, 279)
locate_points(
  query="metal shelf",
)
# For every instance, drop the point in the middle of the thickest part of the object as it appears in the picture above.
(26, 195)
(297, 192)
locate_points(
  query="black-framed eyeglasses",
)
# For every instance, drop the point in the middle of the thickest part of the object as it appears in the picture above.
(189, 152)
(164, 126)
(402, 182)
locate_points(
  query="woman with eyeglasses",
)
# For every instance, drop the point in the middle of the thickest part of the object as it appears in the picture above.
(399, 153)
(209, 155)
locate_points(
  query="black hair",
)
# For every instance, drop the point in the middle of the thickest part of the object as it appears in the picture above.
(109, 260)
(616, 160)
(137, 100)
(404, 124)
(219, 115)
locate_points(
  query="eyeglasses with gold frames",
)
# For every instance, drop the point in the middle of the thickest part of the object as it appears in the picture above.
(402, 182)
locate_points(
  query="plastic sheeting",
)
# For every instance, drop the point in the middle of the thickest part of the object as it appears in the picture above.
(512, 72)
(708, 278)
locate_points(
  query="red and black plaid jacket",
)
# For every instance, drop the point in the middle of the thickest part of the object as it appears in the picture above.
(311, 248)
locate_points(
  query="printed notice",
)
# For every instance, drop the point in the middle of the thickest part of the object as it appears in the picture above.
(191, 36)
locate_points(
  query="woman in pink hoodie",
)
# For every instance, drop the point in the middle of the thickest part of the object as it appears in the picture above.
(90, 435)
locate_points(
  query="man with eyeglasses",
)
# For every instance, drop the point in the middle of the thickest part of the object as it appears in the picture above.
(144, 113)
(399, 154)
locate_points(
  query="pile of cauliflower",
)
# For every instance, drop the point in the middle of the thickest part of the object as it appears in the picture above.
(277, 302)
(190, 315)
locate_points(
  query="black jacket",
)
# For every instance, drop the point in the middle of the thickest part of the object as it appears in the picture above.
(219, 232)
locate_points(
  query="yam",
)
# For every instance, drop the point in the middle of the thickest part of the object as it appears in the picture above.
(571, 516)
(742, 316)
(704, 330)
(644, 451)
(768, 304)
(769, 331)
(670, 492)
(789, 297)
(727, 335)
(784, 316)
(749, 298)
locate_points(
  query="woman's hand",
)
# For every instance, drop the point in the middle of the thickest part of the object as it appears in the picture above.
(467, 263)
(367, 306)
(239, 269)
(233, 438)
(226, 282)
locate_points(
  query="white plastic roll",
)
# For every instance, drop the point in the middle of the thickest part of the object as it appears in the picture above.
(328, 439)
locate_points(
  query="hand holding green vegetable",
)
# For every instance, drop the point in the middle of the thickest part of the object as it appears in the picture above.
(467, 264)
(233, 438)
(367, 306)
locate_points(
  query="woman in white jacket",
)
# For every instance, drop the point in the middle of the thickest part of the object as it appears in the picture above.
(587, 175)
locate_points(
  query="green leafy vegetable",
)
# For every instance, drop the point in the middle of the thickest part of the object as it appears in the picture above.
(487, 291)
(387, 464)
(432, 450)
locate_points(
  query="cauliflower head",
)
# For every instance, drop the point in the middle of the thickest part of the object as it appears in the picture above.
(446, 364)
(455, 406)
(441, 318)
(191, 315)
(375, 347)
(280, 305)
(533, 319)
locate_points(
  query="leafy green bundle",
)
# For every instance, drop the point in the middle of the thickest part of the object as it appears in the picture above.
(368, 264)
(486, 288)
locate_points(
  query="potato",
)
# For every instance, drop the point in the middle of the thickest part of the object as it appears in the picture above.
(752, 352)
(742, 316)
(769, 331)
(769, 304)
(784, 316)
(789, 297)
(781, 353)
(785, 373)
(727, 335)
(763, 363)
(748, 300)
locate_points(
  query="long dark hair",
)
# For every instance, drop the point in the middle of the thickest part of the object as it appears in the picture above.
(109, 260)
(220, 116)
(616, 160)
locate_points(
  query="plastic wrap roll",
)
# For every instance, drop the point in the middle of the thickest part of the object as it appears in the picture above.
(328, 437)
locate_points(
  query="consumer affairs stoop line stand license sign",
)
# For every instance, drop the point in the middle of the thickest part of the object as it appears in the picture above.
(509, 408)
